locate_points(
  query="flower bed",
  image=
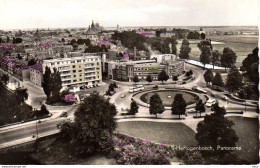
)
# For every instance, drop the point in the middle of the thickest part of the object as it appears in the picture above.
(135, 151)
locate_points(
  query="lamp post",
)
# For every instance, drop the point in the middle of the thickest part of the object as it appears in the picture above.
(36, 129)
(245, 105)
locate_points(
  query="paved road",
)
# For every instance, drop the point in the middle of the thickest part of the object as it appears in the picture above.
(23, 132)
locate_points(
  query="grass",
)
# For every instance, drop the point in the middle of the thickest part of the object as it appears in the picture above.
(242, 45)
(247, 130)
(167, 101)
(168, 133)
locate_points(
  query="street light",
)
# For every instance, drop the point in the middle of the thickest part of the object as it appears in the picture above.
(36, 129)
(245, 105)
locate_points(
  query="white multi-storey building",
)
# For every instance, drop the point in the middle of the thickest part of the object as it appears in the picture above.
(77, 71)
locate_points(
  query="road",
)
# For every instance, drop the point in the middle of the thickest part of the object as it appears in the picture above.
(20, 133)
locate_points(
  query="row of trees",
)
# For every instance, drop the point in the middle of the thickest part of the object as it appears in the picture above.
(227, 59)
(178, 105)
(162, 76)
(164, 45)
(130, 39)
(52, 85)
(233, 81)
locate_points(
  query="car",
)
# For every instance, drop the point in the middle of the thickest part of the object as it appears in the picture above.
(225, 97)
(194, 88)
(123, 95)
(64, 114)
(155, 87)
(131, 90)
(210, 102)
(192, 110)
(141, 87)
(136, 89)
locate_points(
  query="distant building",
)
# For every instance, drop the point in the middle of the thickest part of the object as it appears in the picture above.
(15, 68)
(77, 71)
(36, 74)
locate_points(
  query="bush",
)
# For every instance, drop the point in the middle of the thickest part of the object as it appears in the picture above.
(131, 151)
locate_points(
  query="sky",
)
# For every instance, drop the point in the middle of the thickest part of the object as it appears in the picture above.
(20, 14)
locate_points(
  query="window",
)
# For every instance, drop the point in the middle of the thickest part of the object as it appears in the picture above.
(74, 76)
(74, 71)
(73, 66)
(74, 80)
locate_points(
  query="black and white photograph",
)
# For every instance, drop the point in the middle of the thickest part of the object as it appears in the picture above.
(128, 82)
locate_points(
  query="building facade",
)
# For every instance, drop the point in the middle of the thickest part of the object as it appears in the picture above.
(77, 71)
(36, 74)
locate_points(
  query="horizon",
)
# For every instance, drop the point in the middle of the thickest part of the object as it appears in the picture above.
(152, 27)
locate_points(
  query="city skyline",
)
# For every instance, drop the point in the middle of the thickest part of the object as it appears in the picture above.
(59, 14)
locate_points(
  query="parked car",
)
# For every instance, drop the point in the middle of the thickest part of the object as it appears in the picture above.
(192, 110)
(64, 114)
(140, 87)
(123, 95)
(155, 87)
(210, 102)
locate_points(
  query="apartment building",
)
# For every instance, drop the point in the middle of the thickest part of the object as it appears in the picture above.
(77, 71)
(125, 71)
(174, 68)
(36, 74)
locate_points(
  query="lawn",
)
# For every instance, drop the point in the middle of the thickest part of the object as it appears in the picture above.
(242, 45)
(167, 101)
(168, 133)
(248, 132)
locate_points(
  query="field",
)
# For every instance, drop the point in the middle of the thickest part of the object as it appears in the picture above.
(242, 45)
(168, 133)
(167, 101)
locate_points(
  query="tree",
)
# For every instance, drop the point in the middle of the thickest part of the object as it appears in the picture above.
(31, 62)
(174, 78)
(203, 36)
(14, 40)
(18, 40)
(111, 87)
(208, 76)
(5, 78)
(216, 130)
(250, 65)
(93, 127)
(149, 78)
(75, 46)
(135, 79)
(73, 41)
(205, 55)
(163, 76)
(205, 43)
(156, 106)
(44, 111)
(193, 35)
(7, 39)
(133, 107)
(179, 105)
(215, 57)
(200, 107)
(56, 85)
(21, 94)
(185, 49)
(234, 79)
(46, 84)
(217, 80)
(228, 58)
